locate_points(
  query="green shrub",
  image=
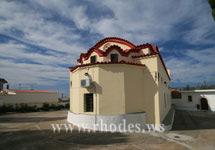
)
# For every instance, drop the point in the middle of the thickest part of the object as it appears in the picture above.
(25, 108)
(33, 108)
(45, 107)
(58, 107)
(67, 105)
(61, 106)
(7, 108)
(53, 106)
(22, 107)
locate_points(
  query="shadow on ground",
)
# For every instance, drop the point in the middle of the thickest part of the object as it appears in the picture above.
(28, 119)
(97, 138)
(35, 139)
(187, 120)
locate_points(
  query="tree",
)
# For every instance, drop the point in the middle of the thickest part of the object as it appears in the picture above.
(212, 5)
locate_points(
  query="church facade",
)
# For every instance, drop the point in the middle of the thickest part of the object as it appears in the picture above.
(116, 80)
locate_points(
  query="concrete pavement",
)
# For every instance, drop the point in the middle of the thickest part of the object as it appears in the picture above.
(191, 130)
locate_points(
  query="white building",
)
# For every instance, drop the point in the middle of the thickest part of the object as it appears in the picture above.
(195, 100)
(30, 97)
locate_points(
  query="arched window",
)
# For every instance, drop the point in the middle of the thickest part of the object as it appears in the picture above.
(114, 57)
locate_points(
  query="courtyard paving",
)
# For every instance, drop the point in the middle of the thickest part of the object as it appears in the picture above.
(32, 131)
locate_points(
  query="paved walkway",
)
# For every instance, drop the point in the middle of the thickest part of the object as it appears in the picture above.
(33, 131)
(168, 120)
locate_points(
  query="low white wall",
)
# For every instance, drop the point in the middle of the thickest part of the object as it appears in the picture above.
(211, 100)
(120, 121)
(183, 104)
(30, 98)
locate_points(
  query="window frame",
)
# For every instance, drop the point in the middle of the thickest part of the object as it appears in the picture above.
(190, 100)
(112, 57)
(93, 58)
(88, 105)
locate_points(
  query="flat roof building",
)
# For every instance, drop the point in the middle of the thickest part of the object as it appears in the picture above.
(30, 97)
(194, 100)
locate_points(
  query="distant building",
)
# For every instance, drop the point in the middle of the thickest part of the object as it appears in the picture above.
(63, 101)
(118, 80)
(30, 97)
(2, 82)
(194, 100)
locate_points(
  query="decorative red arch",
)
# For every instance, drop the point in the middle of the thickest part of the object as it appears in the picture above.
(136, 49)
(109, 50)
(114, 39)
(133, 49)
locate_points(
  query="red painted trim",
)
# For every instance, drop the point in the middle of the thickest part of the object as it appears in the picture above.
(155, 49)
(114, 39)
(90, 64)
(164, 65)
(125, 53)
(101, 53)
(105, 53)
(144, 55)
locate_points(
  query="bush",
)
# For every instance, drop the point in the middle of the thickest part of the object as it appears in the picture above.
(67, 105)
(33, 108)
(25, 108)
(61, 106)
(56, 107)
(45, 107)
(7, 108)
(53, 106)
(22, 107)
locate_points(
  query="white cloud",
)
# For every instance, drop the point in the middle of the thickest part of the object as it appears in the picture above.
(37, 29)
(195, 66)
(156, 21)
(204, 56)
(140, 21)
(19, 51)
(26, 73)
(67, 9)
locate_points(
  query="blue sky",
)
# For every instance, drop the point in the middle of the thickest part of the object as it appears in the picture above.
(40, 39)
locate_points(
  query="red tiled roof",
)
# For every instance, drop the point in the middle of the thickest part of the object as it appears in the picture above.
(101, 53)
(114, 39)
(121, 62)
(133, 49)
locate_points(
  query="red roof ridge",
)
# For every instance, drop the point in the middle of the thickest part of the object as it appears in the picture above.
(113, 39)
(109, 49)
(121, 62)
(144, 55)
(135, 49)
